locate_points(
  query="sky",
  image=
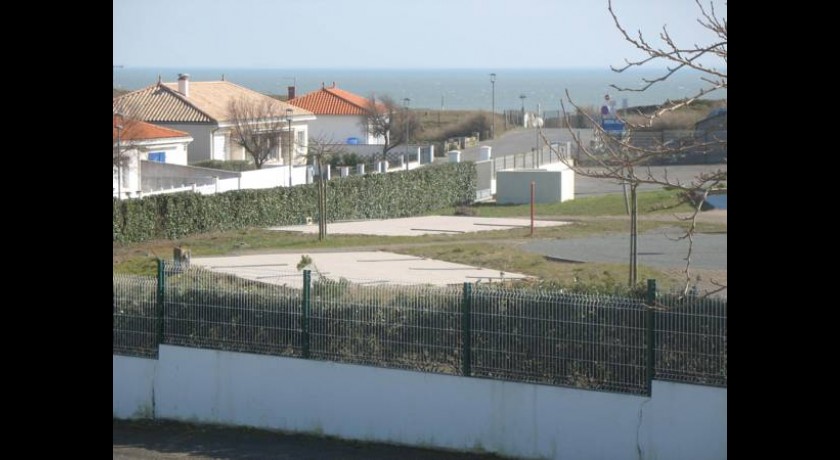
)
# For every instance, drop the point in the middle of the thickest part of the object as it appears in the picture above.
(392, 34)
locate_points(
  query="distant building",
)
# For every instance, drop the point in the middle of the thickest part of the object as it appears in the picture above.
(715, 121)
(201, 109)
(340, 116)
(140, 141)
(712, 132)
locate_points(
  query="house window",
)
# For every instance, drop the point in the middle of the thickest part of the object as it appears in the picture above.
(157, 157)
(300, 142)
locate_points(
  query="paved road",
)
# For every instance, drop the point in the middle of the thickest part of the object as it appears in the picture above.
(171, 440)
(523, 140)
(657, 249)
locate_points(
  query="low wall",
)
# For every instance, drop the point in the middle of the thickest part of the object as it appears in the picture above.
(157, 176)
(134, 390)
(423, 409)
(514, 186)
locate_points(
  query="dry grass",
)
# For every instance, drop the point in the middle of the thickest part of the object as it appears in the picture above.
(681, 119)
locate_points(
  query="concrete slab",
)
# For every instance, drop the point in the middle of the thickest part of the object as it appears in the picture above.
(426, 225)
(377, 267)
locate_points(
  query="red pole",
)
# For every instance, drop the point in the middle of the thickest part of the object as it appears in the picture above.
(533, 187)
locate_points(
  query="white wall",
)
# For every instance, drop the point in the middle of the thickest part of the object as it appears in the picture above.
(337, 128)
(444, 411)
(175, 153)
(567, 179)
(683, 421)
(202, 134)
(133, 387)
(514, 187)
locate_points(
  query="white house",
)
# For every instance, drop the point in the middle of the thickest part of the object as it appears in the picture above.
(137, 140)
(202, 110)
(340, 116)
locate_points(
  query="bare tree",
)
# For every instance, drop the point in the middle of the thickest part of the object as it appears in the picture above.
(620, 159)
(257, 127)
(320, 153)
(125, 126)
(393, 123)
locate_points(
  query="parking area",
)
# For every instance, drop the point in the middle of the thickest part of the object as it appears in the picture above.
(365, 267)
(426, 225)
(375, 267)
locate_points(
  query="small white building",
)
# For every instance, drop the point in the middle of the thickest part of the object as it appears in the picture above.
(136, 140)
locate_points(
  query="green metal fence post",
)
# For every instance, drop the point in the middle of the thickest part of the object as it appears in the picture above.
(466, 331)
(650, 325)
(161, 286)
(305, 307)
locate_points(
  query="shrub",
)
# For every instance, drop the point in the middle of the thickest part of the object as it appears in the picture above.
(373, 196)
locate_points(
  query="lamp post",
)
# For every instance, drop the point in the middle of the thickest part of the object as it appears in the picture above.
(289, 120)
(522, 97)
(405, 104)
(119, 126)
(538, 125)
(493, 105)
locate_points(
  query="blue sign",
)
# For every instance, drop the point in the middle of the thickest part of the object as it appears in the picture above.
(612, 126)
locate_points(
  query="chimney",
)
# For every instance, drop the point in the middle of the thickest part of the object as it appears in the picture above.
(291, 93)
(184, 84)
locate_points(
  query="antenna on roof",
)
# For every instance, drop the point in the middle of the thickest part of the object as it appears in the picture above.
(158, 79)
(322, 85)
(223, 77)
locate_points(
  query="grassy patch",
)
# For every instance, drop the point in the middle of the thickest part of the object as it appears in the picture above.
(660, 201)
(494, 250)
(507, 257)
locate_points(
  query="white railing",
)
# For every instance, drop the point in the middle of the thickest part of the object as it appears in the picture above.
(269, 177)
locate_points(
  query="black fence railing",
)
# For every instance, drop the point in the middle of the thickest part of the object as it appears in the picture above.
(597, 342)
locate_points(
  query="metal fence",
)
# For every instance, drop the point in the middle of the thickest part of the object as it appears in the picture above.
(535, 158)
(204, 309)
(135, 315)
(598, 342)
(586, 341)
(691, 339)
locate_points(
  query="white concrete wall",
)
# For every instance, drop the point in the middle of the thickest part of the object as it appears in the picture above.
(567, 179)
(684, 421)
(134, 390)
(337, 128)
(404, 407)
(514, 187)
(555, 182)
(175, 154)
(484, 180)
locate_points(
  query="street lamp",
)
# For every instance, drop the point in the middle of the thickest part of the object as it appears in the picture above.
(522, 97)
(405, 104)
(119, 126)
(289, 119)
(493, 106)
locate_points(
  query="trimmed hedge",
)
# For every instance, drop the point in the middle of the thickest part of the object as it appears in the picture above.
(373, 196)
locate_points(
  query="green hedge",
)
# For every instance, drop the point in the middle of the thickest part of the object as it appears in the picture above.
(374, 196)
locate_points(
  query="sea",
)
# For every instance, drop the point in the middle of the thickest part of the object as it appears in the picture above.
(450, 89)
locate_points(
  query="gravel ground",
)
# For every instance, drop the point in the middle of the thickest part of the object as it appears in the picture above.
(144, 440)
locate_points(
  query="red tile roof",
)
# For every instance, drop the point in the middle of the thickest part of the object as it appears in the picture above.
(332, 101)
(135, 130)
(208, 102)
